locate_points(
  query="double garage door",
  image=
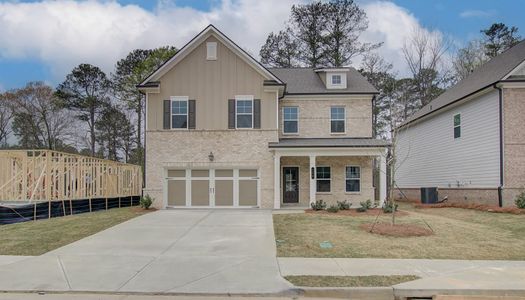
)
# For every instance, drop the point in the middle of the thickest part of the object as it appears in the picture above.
(212, 188)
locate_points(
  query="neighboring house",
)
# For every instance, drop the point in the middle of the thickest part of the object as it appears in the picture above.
(224, 131)
(470, 141)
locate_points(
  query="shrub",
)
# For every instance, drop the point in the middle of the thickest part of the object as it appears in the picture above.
(389, 207)
(343, 205)
(520, 200)
(333, 209)
(318, 205)
(365, 205)
(146, 201)
(361, 209)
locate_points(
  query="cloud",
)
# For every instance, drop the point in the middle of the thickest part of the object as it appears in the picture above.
(477, 13)
(63, 34)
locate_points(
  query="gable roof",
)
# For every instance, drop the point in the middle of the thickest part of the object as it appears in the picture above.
(301, 81)
(488, 74)
(210, 30)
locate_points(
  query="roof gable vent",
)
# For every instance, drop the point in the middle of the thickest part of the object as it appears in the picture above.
(211, 51)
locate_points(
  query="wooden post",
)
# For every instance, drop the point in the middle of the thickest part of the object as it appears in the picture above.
(71, 206)
(34, 212)
(106, 203)
(90, 208)
(64, 207)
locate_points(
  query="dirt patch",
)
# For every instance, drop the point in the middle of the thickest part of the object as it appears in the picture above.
(398, 230)
(487, 208)
(355, 213)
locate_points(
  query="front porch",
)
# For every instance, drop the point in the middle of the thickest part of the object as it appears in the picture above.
(306, 174)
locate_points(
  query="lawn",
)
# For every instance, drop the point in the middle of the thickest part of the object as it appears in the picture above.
(349, 281)
(458, 234)
(38, 237)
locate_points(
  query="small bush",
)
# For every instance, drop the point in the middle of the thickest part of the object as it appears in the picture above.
(343, 205)
(333, 209)
(389, 207)
(318, 205)
(520, 200)
(146, 201)
(366, 204)
(361, 209)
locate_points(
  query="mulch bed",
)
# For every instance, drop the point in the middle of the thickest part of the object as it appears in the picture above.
(487, 208)
(355, 213)
(398, 230)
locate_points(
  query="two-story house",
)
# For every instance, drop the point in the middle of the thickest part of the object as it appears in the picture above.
(470, 141)
(224, 131)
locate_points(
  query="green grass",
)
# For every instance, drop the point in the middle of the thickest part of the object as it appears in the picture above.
(349, 281)
(39, 237)
(459, 234)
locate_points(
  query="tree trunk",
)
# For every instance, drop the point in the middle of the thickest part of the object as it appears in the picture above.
(92, 129)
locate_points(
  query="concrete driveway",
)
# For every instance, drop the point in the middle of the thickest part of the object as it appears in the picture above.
(169, 251)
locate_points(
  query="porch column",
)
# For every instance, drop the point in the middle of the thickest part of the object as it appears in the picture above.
(382, 179)
(312, 174)
(277, 181)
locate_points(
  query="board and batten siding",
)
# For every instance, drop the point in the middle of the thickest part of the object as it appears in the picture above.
(429, 156)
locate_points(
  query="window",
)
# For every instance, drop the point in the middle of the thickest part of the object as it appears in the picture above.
(337, 119)
(336, 79)
(323, 179)
(211, 51)
(457, 126)
(353, 179)
(244, 112)
(290, 117)
(179, 113)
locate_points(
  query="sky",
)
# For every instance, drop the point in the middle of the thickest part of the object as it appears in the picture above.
(44, 40)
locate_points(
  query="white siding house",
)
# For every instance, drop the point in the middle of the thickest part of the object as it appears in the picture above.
(428, 155)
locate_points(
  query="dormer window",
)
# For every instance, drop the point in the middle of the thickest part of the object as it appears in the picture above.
(336, 79)
(211, 51)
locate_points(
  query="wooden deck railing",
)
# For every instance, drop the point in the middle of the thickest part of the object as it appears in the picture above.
(45, 175)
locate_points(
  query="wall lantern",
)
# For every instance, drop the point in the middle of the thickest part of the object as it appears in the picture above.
(211, 157)
(313, 172)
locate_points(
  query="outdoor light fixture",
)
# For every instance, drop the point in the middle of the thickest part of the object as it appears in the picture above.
(313, 173)
(211, 157)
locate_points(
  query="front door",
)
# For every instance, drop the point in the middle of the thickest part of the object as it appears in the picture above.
(291, 184)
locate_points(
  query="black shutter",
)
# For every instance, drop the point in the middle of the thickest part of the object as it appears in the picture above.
(231, 113)
(166, 115)
(191, 114)
(257, 113)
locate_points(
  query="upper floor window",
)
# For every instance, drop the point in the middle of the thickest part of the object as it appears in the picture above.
(353, 179)
(457, 126)
(336, 79)
(244, 112)
(179, 112)
(290, 119)
(211, 51)
(337, 119)
(324, 177)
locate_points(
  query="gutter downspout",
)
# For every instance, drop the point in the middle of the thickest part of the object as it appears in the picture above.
(500, 187)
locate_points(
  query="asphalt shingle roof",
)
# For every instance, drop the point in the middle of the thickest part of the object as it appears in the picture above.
(328, 142)
(488, 74)
(307, 81)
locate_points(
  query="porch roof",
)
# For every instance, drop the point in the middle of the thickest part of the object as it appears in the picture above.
(329, 143)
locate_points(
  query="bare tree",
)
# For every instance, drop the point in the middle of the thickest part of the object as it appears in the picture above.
(424, 54)
(6, 115)
(467, 59)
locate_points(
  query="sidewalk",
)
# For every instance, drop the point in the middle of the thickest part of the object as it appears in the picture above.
(438, 276)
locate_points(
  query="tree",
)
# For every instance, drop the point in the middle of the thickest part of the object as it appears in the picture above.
(469, 58)
(131, 71)
(379, 72)
(6, 115)
(113, 129)
(498, 38)
(308, 24)
(345, 22)
(280, 50)
(85, 91)
(39, 121)
(423, 54)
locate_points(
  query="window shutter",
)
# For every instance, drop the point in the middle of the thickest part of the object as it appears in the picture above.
(166, 115)
(191, 114)
(231, 113)
(257, 113)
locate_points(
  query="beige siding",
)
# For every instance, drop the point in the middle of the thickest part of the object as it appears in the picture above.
(211, 84)
(514, 143)
(314, 116)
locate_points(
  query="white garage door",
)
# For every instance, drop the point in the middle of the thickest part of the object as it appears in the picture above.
(212, 188)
